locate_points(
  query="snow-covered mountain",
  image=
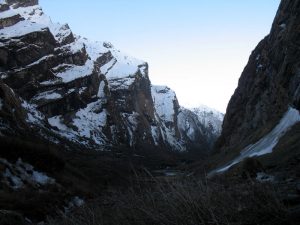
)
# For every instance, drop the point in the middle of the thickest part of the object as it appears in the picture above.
(210, 118)
(70, 89)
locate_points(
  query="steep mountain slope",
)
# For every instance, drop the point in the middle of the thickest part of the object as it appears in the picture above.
(67, 89)
(265, 106)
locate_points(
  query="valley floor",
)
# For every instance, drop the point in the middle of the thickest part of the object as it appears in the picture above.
(135, 187)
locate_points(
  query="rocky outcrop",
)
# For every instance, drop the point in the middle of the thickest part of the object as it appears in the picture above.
(7, 22)
(267, 97)
(23, 3)
(12, 114)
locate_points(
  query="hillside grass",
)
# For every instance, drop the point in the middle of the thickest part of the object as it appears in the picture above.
(182, 202)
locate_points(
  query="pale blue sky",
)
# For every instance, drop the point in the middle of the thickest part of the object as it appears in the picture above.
(197, 47)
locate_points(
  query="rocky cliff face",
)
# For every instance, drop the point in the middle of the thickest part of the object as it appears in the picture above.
(266, 104)
(65, 87)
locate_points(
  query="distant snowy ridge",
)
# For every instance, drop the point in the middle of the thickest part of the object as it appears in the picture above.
(210, 118)
(184, 126)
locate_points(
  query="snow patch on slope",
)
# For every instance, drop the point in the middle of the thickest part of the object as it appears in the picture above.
(124, 65)
(20, 29)
(101, 90)
(35, 20)
(155, 134)
(73, 47)
(93, 48)
(131, 121)
(34, 116)
(20, 173)
(266, 144)
(48, 95)
(169, 136)
(74, 72)
(163, 98)
(88, 121)
(121, 83)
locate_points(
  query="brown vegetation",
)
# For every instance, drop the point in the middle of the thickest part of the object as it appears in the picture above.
(183, 202)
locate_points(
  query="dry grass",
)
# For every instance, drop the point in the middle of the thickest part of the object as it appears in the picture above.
(182, 202)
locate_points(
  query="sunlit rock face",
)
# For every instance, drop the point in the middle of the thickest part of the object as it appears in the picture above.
(67, 88)
(268, 88)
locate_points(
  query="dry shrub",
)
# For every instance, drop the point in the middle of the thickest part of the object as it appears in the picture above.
(187, 202)
(251, 166)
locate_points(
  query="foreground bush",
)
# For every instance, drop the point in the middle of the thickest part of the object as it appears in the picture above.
(186, 202)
